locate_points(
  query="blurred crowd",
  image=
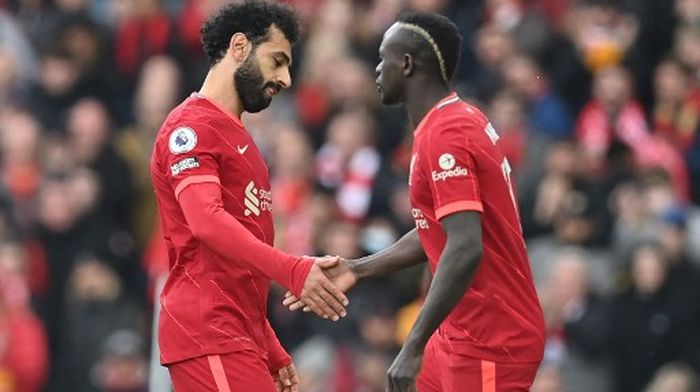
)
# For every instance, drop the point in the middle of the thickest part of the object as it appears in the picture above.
(597, 103)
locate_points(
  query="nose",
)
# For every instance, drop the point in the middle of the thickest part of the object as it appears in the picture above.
(378, 69)
(284, 79)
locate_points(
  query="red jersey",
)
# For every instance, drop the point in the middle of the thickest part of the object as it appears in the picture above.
(211, 304)
(457, 165)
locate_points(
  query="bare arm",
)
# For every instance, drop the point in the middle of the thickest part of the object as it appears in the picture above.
(405, 252)
(458, 264)
(345, 274)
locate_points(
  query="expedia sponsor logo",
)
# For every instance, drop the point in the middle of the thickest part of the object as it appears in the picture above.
(187, 163)
(445, 174)
(256, 200)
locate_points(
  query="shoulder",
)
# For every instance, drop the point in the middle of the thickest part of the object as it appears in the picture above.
(458, 118)
(188, 126)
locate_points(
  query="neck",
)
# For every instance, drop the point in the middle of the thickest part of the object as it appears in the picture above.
(421, 97)
(219, 88)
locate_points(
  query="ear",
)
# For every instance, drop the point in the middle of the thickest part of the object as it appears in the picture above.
(408, 65)
(239, 47)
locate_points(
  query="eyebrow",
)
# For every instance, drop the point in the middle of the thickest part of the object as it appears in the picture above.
(285, 57)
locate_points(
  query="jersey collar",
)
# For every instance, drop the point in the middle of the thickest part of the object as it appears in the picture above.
(451, 98)
(221, 109)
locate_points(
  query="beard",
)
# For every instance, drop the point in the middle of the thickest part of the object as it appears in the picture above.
(250, 85)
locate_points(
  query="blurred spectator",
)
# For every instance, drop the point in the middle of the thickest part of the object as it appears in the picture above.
(159, 88)
(612, 114)
(24, 350)
(688, 11)
(57, 89)
(371, 373)
(18, 63)
(122, 366)
(578, 326)
(677, 108)
(347, 163)
(602, 32)
(292, 183)
(683, 282)
(143, 29)
(548, 380)
(328, 37)
(95, 308)
(673, 377)
(21, 171)
(546, 113)
(507, 114)
(565, 201)
(644, 327)
(521, 21)
(493, 47)
(91, 142)
(687, 46)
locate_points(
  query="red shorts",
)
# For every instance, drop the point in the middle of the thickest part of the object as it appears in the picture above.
(444, 371)
(240, 371)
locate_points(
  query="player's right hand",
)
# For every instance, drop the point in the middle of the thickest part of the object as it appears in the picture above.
(337, 270)
(322, 296)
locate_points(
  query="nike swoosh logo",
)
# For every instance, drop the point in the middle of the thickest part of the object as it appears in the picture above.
(242, 150)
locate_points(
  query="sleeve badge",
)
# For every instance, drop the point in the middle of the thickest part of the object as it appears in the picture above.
(182, 140)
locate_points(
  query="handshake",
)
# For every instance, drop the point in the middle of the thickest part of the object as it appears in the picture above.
(324, 288)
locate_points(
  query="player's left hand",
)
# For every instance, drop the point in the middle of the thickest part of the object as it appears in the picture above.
(401, 376)
(286, 379)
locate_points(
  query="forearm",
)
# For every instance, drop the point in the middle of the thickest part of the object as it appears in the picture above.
(453, 276)
(405, 252)
(225, 235)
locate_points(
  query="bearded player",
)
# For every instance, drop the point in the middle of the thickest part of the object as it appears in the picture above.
(214, 197)
(481, 327)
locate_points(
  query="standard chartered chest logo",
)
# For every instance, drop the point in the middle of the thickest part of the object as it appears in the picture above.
(256, 200)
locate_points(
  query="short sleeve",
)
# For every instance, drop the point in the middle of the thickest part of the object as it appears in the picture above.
(452, 172)
(192, 156)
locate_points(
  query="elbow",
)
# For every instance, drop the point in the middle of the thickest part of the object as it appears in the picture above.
(472, 254)
(202, 219)
(199, 231)
(203, 229)
(477, 252)
(471, 251)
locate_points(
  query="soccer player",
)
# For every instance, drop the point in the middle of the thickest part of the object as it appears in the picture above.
(481, 327)
(213, 192)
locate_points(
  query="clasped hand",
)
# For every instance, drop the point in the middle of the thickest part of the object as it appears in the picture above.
(330, 277)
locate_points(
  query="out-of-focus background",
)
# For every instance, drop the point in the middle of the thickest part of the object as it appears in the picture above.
(597, 103)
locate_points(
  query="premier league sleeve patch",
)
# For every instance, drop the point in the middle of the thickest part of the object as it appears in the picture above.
(182, 140)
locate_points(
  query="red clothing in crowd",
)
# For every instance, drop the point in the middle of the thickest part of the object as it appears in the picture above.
(596, 132)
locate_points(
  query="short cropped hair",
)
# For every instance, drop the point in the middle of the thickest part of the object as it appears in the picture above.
(444, 33)
(252, 18)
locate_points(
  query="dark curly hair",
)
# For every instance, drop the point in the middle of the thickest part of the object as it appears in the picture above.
(252, 18)
(445, 34)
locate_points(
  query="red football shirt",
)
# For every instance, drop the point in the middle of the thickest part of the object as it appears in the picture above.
(212, 304)
(457, 165)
